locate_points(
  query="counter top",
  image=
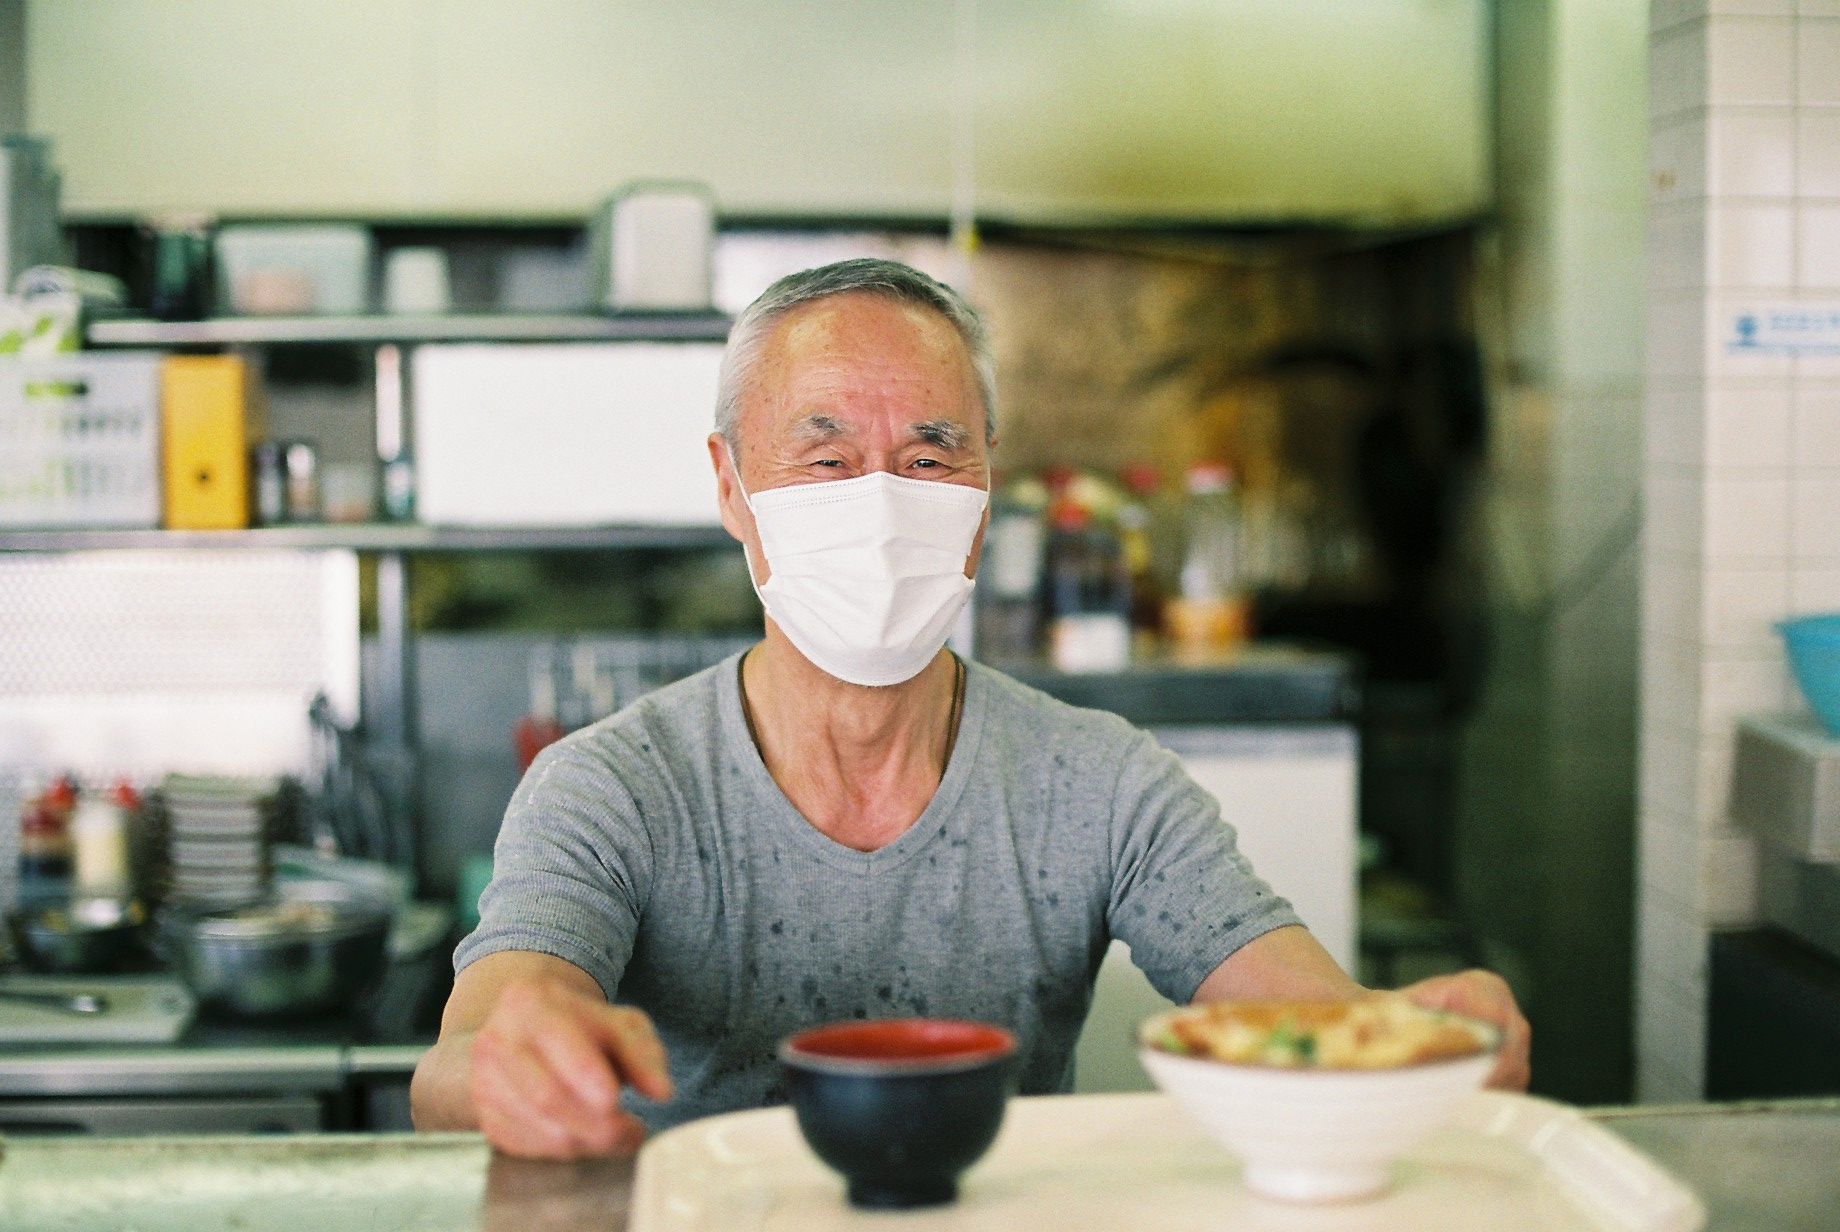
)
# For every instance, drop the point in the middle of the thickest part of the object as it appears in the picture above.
(217, 1055)
(1261, 683)
(181, 1071)
(1761, 1166)
(172, 1071)
(1757, 1166)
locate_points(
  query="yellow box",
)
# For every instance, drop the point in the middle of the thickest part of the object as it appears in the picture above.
(208, 419)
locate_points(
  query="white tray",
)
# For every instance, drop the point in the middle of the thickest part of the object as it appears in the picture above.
(1136, 1161)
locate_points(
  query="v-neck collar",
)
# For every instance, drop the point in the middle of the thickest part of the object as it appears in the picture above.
(934, 821)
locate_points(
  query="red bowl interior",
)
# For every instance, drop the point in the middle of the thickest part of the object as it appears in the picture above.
(904, 1039)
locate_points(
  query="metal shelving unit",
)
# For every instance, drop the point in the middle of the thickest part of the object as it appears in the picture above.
(407, 330)
(391, 727)
(374, 537)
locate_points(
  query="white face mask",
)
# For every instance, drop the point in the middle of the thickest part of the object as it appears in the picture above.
(868, 574)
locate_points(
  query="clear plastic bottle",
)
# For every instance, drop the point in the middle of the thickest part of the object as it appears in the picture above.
(1211, 611)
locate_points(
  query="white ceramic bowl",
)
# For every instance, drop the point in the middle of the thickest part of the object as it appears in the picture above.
(1314, 1135)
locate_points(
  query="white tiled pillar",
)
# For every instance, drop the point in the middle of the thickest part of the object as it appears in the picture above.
(1742, 460)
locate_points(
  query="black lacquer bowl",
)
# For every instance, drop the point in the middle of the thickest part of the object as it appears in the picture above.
(901, 1106)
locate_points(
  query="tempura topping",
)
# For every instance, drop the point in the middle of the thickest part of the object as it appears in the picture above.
(1373, 1033)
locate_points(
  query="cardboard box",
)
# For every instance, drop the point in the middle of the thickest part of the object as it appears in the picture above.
(209, 419)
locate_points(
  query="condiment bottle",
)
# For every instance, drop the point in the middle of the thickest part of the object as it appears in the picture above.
(300, 472)
(1008, 595)
(1089, 593)
(1211, 611)
(539, 729)
(1137, 532)
(99, 837)
(268, 475)
(44, 846)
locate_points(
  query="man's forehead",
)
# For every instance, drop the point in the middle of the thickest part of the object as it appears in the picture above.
(823, 355)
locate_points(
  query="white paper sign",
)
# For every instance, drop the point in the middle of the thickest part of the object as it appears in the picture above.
(1785, 329)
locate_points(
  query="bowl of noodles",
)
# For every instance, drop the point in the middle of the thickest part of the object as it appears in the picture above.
(1318, 1099)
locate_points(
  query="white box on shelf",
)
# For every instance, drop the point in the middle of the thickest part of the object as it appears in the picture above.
(570, 434)
(80, 441)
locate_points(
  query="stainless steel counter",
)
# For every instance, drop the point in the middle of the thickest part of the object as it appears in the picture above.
(1769, 1166)
(251, 1088)
(182, 1072)
(171, 1071)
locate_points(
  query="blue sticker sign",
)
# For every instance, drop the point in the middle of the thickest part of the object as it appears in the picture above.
(1785, 329)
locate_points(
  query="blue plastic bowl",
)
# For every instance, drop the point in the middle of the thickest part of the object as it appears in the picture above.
(1814, 657)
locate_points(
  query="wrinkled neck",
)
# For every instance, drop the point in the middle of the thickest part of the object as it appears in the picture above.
(859, 762)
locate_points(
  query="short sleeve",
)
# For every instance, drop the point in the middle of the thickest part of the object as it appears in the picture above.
(1182, 897)
(571, 870)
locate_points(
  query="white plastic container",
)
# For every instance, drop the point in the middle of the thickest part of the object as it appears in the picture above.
(294, 269)
(652, 246)
(415, 281)
(99, 837)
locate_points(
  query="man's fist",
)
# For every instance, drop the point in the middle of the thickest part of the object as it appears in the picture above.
(546, 1069)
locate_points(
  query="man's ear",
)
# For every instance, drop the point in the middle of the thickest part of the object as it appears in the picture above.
(728, 485)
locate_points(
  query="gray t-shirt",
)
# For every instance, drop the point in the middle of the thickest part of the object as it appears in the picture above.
(654, 851)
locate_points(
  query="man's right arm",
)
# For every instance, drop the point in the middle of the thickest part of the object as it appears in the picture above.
(531, 1054)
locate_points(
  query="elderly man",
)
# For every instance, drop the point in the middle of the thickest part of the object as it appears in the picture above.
(848, 820)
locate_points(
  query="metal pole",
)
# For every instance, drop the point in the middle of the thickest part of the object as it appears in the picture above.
(393, 728)
(396, 738)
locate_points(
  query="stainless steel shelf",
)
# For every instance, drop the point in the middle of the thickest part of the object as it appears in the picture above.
(457, 327)
(375, 537)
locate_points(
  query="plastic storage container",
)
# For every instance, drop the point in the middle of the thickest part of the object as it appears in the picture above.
(80, 441)
(292, 269)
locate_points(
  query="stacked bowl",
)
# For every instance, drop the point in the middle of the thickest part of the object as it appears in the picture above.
(218, 834)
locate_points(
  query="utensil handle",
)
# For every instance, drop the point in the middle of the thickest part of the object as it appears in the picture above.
(69, 1003)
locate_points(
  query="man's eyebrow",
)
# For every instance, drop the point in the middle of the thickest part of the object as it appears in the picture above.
(821, 426)
(945, 433)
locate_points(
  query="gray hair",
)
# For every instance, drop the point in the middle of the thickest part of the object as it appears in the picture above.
(873, 275)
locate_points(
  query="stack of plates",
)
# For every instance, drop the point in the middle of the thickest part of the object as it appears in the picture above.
(218, 833)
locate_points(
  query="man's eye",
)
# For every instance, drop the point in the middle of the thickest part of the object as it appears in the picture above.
(828, 462)
(925, 463)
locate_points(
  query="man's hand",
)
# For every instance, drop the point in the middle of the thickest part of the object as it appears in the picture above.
(547, 1066)
(1483, 995)
(532, 1055)
(1287, 964)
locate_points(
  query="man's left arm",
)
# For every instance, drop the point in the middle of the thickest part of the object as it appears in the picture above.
(1291, 965)
(1183, 895)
